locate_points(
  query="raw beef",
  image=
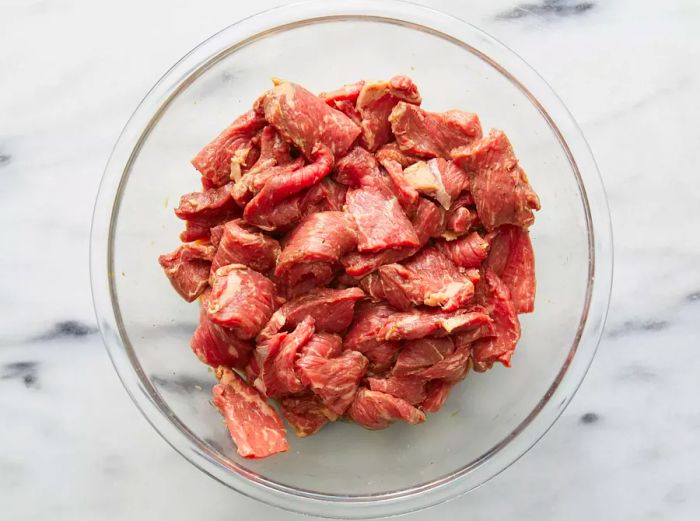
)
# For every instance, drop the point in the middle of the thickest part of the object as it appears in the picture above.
(421, 353)
(204, 210)
(437, 392)
(376, 101)
(324, 345)
(467, 252)
(495, 297)
(306, 414)
(512, 259)
(332, 310)
(369, 319)
(405, 192)
(437, 178)
(260, 210)
(325, 196)
(357, 168)
(348, 92)
(254, 425)
(307, 121)
(432, 134)
(214, 160)
(274, 151)
(334, 380)
(216, 345)
(241, 299)
(500, 187)
(250, 183)
(420, 323)
(405, 387)
(392, 152)
(428, 278)
(188, 267)
(380, 221)
(277, 371)
(313, 249)
(243, 244)
(377, 410)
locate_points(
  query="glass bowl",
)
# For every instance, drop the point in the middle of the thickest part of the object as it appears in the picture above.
(491, 419)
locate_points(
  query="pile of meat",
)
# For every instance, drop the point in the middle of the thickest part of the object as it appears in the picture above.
(353, 255)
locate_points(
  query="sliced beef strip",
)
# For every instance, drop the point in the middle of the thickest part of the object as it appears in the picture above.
(432, 134)
(348, 92)
(427, 221)
(357, 168)
(512, 259)
(277, 371)
(216, 345)
(380, 221)
(274, 151)
(407, 388)
(377, 410)
(392, 152)
(254, 425)
(325, 196)
(250, 183)
(281, 187)
(241, 299)
(405, 192)
(420, 323)
(493, 294)
(241, 243)
(201, 211)
(381, 356)
(314, 248)
(369, 319)
(334, 380)
(428, 278)
(376, 101)
(466, 252)
(188, 267)
(307, 121)
(442, 180)
(437, 392)
(306, 414)
(419, 354)
(325, 345)
(214, 160)
(499, 185)
(451, 369)
(332, 310)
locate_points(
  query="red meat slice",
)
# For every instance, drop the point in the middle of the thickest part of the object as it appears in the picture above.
(214, 160)
(381, 356)
(513, 260)
(451, 369)
(215, 235)
(420, 323)
(377, 410)
(188, 267)
(494, 295)
(369, 318)
(314, 247)
(332, 310)
(467, 252)
(357, 168)
(281, 187)
(442, 180)
(405, 192)
(241, 299)
(274, 151)
(254, 180)
(405, 387)
(324, 345)
(437, 392)
(307, 121)
(326, 196)
(306, 414)
(277, 375)
(429, 278)
(333, 380)
(421, 353)
(241, 244)
(254, 425)
(500, 187)
(204, 210)
(392, 152)
(215, 345)
(348, 92)
(376, 101)
(372, 286)
(432, 134)
(380, 221)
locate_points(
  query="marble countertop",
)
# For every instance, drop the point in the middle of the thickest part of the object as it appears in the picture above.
(74, 446)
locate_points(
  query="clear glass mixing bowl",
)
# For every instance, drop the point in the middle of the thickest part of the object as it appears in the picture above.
(491, 419)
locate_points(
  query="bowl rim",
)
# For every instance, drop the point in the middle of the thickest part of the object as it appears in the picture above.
(504, 453)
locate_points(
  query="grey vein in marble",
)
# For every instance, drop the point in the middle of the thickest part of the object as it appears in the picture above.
(546, 9)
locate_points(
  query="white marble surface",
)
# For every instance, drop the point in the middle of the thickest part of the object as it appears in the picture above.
(73, 445)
